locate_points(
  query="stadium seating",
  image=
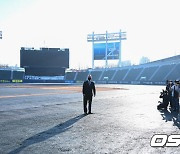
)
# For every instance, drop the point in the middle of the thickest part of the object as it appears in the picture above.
(96, 75)
(147, 72)
(70, 76)
(120, 75)
(5, 74)
(132, 74)
(175, 73)
(107, 74)
(162, 72)
(156, 72)
(82, 76)
(18, 75)
(11, 75)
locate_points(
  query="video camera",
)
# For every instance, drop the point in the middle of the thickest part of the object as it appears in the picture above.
(165, 100)
(163, 93)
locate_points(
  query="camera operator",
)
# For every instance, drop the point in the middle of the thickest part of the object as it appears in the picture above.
(169, 84)
(175, 95)
(165, 102)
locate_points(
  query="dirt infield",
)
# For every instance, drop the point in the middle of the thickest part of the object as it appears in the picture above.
(59, 89)
(77, 88)
(49, 119)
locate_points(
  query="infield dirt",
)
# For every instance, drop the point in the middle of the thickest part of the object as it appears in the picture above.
(49, 119)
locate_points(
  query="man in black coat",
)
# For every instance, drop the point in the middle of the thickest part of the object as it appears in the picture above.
(88, 91)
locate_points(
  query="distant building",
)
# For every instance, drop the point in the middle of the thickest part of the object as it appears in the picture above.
(144, 60)
(126, 63)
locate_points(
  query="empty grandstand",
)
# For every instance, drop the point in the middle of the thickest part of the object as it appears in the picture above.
(156, 72)
(10, 74)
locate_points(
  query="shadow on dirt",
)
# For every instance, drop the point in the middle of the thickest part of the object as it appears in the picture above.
(171, 116)
(42, 136)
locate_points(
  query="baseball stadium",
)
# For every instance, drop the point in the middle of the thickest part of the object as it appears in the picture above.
(42, 104)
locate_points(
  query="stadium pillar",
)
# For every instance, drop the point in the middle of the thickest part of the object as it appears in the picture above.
(106, 50)
(119, 63)
(93, 50)
(0, 34)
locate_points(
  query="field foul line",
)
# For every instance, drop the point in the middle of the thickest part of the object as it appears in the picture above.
(26, 95)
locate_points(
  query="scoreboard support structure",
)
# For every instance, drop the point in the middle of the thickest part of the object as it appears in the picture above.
(106, 46)
(0, 34)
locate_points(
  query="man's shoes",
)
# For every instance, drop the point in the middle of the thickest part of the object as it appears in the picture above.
(85, 113)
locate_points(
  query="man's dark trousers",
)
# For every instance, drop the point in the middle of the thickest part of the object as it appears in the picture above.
(87, 99)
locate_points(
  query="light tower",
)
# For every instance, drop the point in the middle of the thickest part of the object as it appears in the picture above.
(106, 46)
(0, 34)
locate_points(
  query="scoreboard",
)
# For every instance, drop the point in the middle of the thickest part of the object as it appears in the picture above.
(44, 62)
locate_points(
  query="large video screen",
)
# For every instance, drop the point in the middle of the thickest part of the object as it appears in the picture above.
(112, 51)
(33, 58)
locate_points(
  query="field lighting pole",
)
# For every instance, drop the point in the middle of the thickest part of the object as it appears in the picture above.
(93, 50)
(119, 48)
(102, 44)
(106, 58)
(0, 34)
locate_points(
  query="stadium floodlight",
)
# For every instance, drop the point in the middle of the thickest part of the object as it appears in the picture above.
(0, 34)
(109, 46)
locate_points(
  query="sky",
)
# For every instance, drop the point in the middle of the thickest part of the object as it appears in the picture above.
(152, 27)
